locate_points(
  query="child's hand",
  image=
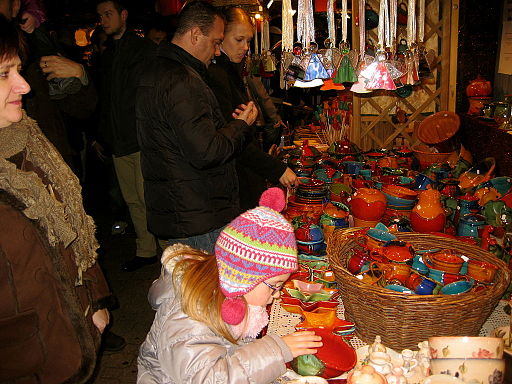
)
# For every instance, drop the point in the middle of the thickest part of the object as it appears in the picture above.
(303, 342)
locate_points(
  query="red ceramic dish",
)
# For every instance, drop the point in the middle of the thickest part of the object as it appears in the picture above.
(337, 356)
(401, 192)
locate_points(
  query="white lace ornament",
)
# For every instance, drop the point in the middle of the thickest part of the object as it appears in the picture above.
(305, 23)
(287, 26)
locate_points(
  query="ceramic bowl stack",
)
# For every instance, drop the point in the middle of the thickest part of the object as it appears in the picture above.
(400, 201)
(470, 359)
(311, 191)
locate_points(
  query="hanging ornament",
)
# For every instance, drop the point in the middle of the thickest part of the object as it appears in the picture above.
(315, 68)
(256, 44)
(381, 73)
(344, 21)
(268, 62)
(287, 25)
(330, 21)
(265, 36)
(330, 56)
(330, 86)
(392, 22)
(360, 86)
(305, 23)
(346, 72)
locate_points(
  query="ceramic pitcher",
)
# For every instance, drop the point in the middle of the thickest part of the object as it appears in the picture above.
(428, 214)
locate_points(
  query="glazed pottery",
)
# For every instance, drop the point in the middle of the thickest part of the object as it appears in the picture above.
(328, 175)
(418, 265)
(422, 181)
(365, 375)
(465, 205)
(357, 260)
(395, 273)
(481, 270)
(428, 214)
(471, 225)
(379, 235)
(367, 206)
(442, 379)
(320, 296)
(477, 174)
(396, 376)
(308, 287)
(426, 287)
(471, 370)
(332, 359)
(306, 231)
(456, 288)
(469, 347)
(445, 261)
(306, 151)
(308, 380)
(479, 87)
(381, 362)
(444, 277)
(397, 251)
(398, 288)
(352, 167)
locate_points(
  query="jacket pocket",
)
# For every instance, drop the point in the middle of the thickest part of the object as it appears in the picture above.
(21, 352)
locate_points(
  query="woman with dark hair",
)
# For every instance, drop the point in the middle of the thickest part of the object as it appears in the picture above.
(53, 295)
(253, 166)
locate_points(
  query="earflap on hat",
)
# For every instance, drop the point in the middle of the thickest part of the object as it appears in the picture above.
(233, 310)
(254, 247)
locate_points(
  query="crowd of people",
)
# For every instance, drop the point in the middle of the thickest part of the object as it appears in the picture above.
(176, 117)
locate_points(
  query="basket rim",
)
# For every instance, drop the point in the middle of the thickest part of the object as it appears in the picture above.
(502, 279)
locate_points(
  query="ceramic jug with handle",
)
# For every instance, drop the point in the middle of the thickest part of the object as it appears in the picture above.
(428, 214)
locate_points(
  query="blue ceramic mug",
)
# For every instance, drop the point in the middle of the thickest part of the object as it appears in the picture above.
(426, 287)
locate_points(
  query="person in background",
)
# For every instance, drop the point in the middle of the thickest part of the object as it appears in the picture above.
(254, 166)
(211, 308)
(156, 30)
(122, 62)
(53, 295)
(188, 149)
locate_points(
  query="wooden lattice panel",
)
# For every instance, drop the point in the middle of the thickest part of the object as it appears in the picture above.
(375, 127)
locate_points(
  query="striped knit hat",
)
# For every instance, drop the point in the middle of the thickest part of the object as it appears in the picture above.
(254, 247)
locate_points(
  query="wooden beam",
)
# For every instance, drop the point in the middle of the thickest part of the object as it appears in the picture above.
(454, 40)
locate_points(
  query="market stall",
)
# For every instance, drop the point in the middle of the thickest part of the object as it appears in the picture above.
(404, 236)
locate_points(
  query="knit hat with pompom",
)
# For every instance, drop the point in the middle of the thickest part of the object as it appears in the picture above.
(254, 247)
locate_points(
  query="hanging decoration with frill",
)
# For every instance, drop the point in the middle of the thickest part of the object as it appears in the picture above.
(382, 72)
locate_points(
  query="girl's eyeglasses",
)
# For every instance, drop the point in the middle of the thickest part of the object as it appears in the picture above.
(275, 290)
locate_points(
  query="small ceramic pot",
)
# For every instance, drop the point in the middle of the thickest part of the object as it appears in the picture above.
(481, 270)
(445, 261)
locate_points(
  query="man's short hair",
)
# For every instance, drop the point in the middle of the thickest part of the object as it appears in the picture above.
(118, 5)
(197, 13)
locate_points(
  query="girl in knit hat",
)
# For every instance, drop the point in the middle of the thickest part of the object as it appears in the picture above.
(210, 309)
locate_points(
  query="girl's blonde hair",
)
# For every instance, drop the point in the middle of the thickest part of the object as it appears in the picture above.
(197, 280)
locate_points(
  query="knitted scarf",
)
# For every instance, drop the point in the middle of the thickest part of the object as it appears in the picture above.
(52, 195)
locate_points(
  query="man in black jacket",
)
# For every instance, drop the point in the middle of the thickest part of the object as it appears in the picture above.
(188, 149)
(122, 61)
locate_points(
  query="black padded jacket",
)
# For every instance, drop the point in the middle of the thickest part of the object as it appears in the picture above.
(188, 149)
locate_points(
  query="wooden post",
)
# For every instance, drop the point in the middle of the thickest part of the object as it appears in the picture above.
(355, 133)
(454, 41)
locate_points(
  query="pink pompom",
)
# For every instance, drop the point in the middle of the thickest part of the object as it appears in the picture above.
(233, 310)
(273, 198)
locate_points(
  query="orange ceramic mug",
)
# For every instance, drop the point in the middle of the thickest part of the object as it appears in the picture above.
(445, 261)
(395, 272)
(481, 270)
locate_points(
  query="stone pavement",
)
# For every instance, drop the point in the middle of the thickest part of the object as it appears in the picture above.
(133, 318)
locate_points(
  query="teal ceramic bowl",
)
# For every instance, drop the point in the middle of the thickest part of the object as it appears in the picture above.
(457, 287)
(399, 288)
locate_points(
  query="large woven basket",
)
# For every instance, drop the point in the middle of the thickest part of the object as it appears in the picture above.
(403, 320)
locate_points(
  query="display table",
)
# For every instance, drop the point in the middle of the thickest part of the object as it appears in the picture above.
(484, 139)
(283, 322)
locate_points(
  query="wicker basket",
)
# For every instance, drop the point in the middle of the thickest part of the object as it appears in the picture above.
(403, 320)
(426, 158)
